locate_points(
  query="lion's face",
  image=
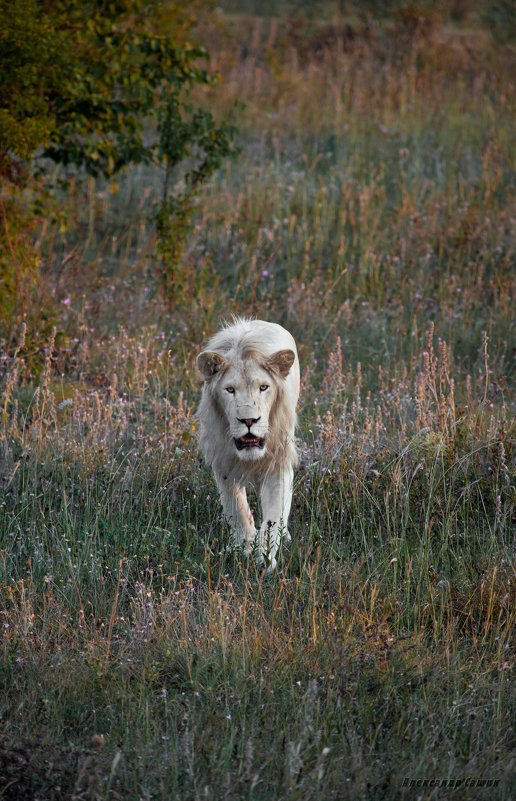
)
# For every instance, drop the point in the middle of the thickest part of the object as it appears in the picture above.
(246, 393)
(246, 390)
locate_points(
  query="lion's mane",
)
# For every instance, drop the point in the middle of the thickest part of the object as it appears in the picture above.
(250, 339)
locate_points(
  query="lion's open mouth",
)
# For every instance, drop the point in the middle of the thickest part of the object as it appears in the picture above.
(249, 441)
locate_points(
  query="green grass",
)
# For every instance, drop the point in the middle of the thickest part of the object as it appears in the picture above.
(370, 212)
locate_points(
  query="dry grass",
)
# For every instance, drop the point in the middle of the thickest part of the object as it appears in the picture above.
(370, 212)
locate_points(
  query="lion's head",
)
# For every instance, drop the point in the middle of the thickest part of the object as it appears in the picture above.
(246, 388)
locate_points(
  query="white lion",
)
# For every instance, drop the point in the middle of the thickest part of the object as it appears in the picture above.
(247, 418)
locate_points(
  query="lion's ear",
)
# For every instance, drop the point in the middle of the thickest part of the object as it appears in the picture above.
(210, 363)
(282, 361)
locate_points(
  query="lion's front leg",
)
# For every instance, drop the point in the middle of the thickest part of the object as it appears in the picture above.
(276, 500)
(236, 509)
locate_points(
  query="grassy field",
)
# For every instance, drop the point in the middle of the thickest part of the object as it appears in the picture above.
(371, 212)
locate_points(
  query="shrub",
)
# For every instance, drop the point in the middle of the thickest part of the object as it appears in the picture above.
(93, 87)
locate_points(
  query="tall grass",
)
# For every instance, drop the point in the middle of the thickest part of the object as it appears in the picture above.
(370, 212)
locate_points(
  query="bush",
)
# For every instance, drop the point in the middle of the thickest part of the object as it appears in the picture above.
(83, 81)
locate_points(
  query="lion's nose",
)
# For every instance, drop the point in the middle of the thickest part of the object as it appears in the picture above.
(249, 421)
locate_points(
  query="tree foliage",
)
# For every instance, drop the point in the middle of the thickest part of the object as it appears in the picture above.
(97, 86)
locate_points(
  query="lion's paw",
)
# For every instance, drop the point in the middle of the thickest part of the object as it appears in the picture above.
(268, 566)
(271, 567)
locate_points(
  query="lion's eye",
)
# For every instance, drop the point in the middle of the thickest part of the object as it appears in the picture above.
(231, 390)
(263, 387)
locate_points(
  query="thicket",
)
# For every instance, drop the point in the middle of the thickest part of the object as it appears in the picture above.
(96, 87)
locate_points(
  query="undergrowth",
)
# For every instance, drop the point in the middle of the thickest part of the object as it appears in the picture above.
(370, 212)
